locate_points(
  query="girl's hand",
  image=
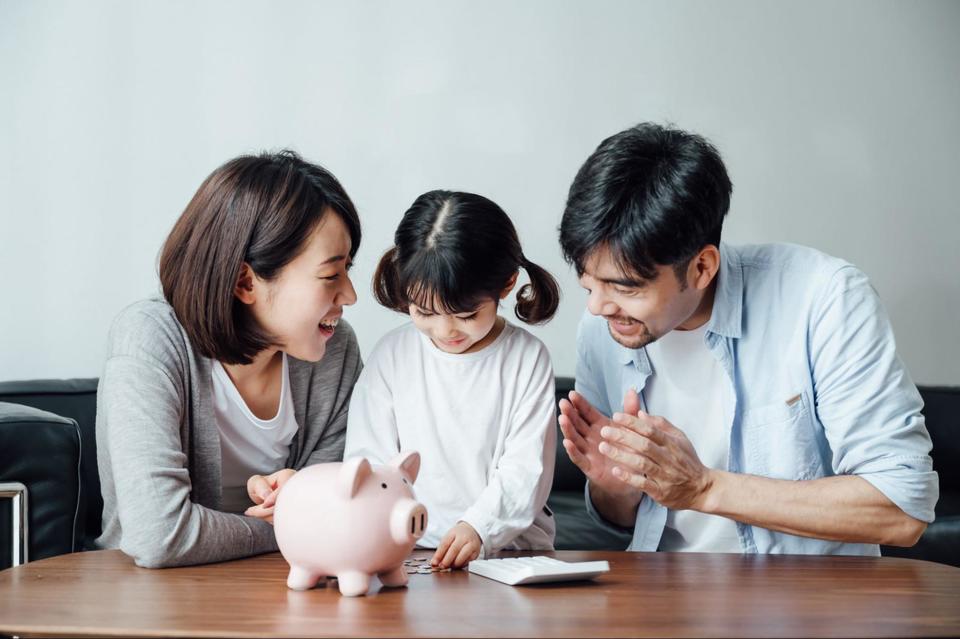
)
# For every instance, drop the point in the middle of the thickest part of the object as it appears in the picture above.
(459, 546)
(263, 491)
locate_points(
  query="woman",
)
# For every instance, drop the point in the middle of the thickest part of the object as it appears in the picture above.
(211, 397)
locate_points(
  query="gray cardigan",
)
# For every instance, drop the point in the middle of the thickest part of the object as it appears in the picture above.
(158, 445)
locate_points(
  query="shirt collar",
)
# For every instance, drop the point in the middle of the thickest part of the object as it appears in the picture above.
(727, 314)
(628, 355)
(726, 319)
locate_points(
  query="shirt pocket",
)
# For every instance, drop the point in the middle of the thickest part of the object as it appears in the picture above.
(780, 441)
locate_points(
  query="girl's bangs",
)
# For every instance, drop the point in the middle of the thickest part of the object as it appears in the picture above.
(435, 288)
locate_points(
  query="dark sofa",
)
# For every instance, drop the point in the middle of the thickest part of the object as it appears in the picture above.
(47, 442)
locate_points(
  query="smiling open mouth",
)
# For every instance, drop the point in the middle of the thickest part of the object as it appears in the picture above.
(328, 326)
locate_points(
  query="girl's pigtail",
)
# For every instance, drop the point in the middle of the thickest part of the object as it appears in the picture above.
(537, 301)
(386, 283)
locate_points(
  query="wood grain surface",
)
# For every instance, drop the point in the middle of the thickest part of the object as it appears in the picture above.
(645, 594)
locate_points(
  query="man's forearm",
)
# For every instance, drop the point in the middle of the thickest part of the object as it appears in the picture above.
(617, 508)
(843, 508)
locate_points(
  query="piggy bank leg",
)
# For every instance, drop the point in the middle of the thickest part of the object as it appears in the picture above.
(301, 578)
(394, 578)
(353, 583)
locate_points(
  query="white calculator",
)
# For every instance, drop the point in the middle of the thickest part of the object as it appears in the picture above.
(518, 571)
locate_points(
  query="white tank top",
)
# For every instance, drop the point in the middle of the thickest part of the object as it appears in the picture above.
(249, 445)
(690, 389)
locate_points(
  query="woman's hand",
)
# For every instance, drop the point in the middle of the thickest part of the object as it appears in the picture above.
(263, 491)
(459, 546)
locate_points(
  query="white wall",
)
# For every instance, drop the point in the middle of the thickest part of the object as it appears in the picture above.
(839, 122)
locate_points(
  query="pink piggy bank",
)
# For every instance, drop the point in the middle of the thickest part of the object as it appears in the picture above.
(350, 520)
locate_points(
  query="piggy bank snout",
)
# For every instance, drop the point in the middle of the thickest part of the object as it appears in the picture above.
(408, 521)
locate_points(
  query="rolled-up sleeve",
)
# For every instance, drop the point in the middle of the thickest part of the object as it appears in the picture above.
(869, 406)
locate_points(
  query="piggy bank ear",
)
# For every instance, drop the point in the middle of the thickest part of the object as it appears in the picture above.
(352, 473)
(408, 463)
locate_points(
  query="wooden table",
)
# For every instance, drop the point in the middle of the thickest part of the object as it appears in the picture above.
(663, 594)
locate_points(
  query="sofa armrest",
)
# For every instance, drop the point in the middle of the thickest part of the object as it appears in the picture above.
(42, 452)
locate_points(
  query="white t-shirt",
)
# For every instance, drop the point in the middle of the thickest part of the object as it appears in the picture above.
(249, 445)
(690, 389)
(482, 422)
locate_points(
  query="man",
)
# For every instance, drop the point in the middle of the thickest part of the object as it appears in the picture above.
(730, 399)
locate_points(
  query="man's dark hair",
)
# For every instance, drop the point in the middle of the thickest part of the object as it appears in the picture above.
(455, 250)
(256, 209)
(652, 195)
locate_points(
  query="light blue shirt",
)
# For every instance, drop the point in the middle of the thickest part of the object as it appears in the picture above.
(789, 321)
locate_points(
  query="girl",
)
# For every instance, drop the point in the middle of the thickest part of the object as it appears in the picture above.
(470, 391)
(212, 396)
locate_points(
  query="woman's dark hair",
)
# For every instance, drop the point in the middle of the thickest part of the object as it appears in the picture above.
(652, 195)
(452, 252)
(256, 209)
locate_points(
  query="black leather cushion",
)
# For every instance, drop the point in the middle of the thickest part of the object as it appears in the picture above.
(75, 399)
(42, 451)
(566, 475)
(941, 407)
